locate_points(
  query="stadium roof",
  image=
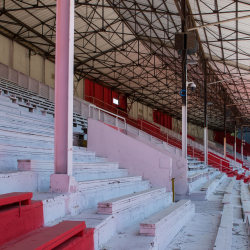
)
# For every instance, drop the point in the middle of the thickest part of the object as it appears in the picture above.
(128, 45)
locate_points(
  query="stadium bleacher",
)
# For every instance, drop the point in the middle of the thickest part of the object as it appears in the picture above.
(26, 146)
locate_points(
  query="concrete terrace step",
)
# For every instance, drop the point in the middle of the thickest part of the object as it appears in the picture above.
(226, 199)
(92, 192)
(245, 200)
(193, 177)
(168, 228)
(102, 183)
(202, 191)
(26, 139)
(26, 129)
(208, 185)
(36, 165)
(230, 187)
(122, 203)
(82, 171)
(18, 118)
(224, 236)
(160, 222)
(195, 162)
(96, 165)
(20, 182)
(11, 153)
(15, 109)
(190, 159)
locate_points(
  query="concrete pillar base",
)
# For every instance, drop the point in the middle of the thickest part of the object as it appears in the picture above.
(62, 183)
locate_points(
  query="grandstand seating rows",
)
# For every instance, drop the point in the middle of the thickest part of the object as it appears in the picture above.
(26, 146)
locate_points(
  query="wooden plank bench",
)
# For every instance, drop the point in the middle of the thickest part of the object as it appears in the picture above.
(51, 237)
(10, 198)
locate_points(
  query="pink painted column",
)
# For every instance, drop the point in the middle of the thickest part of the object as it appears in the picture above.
(64, 80)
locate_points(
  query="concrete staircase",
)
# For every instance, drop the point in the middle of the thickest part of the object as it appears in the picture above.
(107, 198)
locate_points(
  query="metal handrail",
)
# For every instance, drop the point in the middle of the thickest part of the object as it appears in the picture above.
(105, 111)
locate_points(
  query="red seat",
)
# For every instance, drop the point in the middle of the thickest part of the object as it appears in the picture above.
(51, 237)
(10, 198)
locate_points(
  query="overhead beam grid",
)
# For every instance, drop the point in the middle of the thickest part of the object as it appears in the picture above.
(128, 46)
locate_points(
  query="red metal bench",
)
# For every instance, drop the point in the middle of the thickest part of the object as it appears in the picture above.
(17, 197)
(51, 237)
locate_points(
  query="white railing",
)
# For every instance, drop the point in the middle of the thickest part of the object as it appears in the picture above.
(100, 115)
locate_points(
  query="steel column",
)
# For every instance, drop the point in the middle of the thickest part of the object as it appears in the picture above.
(184, 84)
(225, 129)
(235, 146)
(205, 115)
(64, 81)
(242, 143)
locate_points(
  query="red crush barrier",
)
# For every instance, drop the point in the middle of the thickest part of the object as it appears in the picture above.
(17, 221)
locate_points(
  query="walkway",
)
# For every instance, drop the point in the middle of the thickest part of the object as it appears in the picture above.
(200, 233)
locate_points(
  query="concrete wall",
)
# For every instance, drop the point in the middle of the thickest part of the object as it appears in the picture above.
(137, 157)
(21, 59)
(140, 110)
(193, 130)
(4, 50)
(179, 164)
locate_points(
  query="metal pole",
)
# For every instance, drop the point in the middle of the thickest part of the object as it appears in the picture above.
(64, 80)
(225, 129)
(173, 189)
(184, 84)
(235, 141)
(205, 114)
(242, 143)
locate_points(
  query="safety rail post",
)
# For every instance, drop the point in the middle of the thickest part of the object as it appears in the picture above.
(99, 114)
(173, 191)
(173, 186)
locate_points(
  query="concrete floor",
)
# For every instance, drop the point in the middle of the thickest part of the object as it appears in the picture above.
(200, 233)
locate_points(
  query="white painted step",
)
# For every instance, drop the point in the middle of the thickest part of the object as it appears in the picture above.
(226, 199)
(25, 120)
(16, 181)
(230, 187)
(16, 109)
(97, 170)
(122, 203)
(96, 165)
(224, 236)
(26, 129)
(130, 238)
(11, 153)
(102, 183)
(25, 138)
(95, 191)
(158, 223)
